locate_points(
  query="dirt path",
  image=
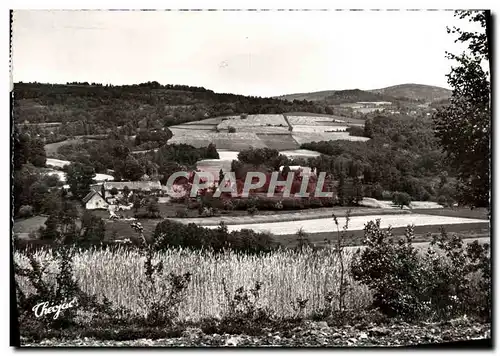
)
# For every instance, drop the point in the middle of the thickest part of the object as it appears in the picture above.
(290, 127)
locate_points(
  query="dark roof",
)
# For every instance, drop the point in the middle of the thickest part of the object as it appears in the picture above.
(90, 195)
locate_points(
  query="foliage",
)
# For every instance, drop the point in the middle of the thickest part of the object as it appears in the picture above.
(266, 157)
(26, 211)
(244, 303)
(93, 228)
(356, 131)
(98, 109)
(169, 233)
(161, 293)
(464, 126)
(403, 155)
(401, 199)
(411, 285)
(79, 178)
(64, 289)
(27, 149)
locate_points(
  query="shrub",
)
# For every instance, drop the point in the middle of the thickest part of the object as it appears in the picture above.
(231, 129)
(161, 294)
(65, 289)
(252, 210)
(441, 283)
(147, 215)
(181, 213)
(401, 199)
(26, 211)
(170, 233)
(356, 131)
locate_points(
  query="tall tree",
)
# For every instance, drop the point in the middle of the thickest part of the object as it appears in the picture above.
(464, 126)
(79, 178)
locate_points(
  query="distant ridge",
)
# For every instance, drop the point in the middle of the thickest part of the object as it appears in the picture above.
(402, 92)
(412, 91)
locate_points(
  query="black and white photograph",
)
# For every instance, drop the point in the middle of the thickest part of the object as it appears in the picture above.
(251, 178)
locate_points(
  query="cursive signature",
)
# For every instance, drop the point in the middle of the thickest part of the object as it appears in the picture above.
(42, 308)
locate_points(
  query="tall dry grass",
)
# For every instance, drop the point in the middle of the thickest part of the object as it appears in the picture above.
(285, 275)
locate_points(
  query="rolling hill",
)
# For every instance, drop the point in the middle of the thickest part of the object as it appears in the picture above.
(403, 92)
(419, 92)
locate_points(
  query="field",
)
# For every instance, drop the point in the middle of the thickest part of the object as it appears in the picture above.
(310, 118)
(230, 141)
(99, 177)
(57, 162)
(286, 276)
(306, 137)
(278, 141)
(214, 166)
(319, 128)
(313, 120)
(300, 153)
(254, 121)
(52, 148)
(258, 131)
(356, 223)
(24, 226)
(479, 231)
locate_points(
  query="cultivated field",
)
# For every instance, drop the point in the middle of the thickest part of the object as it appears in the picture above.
(283, 141)
(231, 141)
(306, 137)
(319, 128)
(285, 275)
(254, 121)
(313, 120)
(258, 131)
(356, 223)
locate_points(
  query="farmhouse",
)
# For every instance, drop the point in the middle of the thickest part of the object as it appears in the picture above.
(139, 186)
(94, 200)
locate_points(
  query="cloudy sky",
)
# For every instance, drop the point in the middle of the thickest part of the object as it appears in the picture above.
(253, 53)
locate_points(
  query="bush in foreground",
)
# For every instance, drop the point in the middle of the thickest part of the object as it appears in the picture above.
(447, 280)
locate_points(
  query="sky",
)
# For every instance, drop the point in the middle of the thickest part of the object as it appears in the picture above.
(265, 53)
